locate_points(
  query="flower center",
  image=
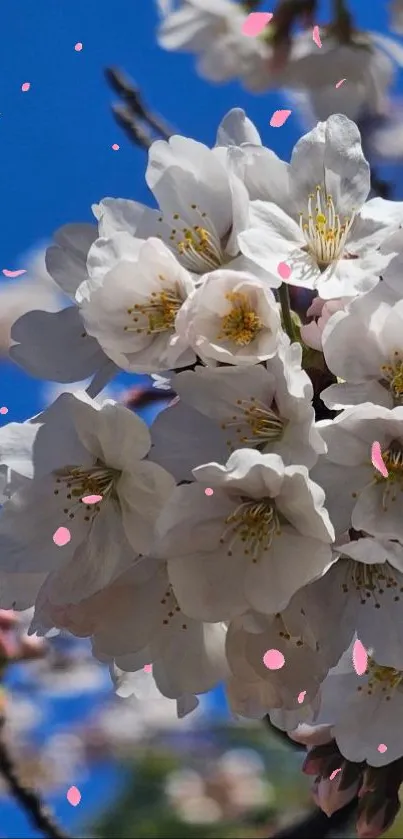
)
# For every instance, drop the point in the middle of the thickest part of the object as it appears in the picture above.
(171, 608)
(325, 234)
(158, 314)
(254, 523)
(393, 376)
(75, 483)
(263, 424)
(198, 247)
(241, 325)
(384, 679)
(370, 581)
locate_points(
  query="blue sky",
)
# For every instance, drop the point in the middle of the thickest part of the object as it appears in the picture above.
(56, 157)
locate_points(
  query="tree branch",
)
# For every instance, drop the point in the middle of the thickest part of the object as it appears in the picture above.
(317, 825)
(38, 814)
(141, 125)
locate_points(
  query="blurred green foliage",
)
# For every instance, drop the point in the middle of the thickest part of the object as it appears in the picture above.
(145, 811)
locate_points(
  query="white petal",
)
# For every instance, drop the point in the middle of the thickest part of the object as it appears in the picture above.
(99, 558)
(54, 346)
(28, 522)
(183, 438)
(183, 172)
(291, 562)
(209, 586)
(236, 129)
(115, 215)
(66, 260)
(331, 153)
(142, 494)
(111, 432)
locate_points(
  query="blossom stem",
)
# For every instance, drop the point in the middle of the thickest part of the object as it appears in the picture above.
(288, 324)
(29, 800)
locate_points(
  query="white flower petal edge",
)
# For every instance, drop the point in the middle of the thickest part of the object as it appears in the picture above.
(364, 347)
(131, 302)
(357, 495)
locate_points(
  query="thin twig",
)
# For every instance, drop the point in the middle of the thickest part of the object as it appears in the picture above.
(38, 814)
(132, 127)
(133, 115)
(317, 825)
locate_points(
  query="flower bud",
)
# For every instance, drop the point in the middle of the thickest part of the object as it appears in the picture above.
(376, 814)
(322, 760)
(333, 794)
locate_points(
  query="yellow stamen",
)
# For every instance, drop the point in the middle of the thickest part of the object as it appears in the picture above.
(263, 424)
(254, 523)
(325, 234)
(241, 325)
(160, 312)
(393, 375)
(76, 482)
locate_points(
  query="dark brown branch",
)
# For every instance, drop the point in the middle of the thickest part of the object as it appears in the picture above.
(317, 825)
(133, 115)
(38, 814)
(133, 129)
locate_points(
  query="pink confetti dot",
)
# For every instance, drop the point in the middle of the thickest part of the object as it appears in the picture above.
(360, 658)
(382, 748)
(255, 23)
(209, 491)
(25, 86)
(148, 668)
(12, 274)
(339, 84)
(301, 696)
(91, 499)
(61, 536)
(316, 36)
(4, 410)
(283, 270)
(377, 459)
(279, 118)
(73, 796)
(78, 47)
(334, 773)
(115, 147)
(273, 660)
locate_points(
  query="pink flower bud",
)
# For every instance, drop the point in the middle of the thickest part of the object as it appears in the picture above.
(328, 795)
(320, 311)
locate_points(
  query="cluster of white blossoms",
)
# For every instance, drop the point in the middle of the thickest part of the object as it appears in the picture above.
(279, 57)
(239, 529)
